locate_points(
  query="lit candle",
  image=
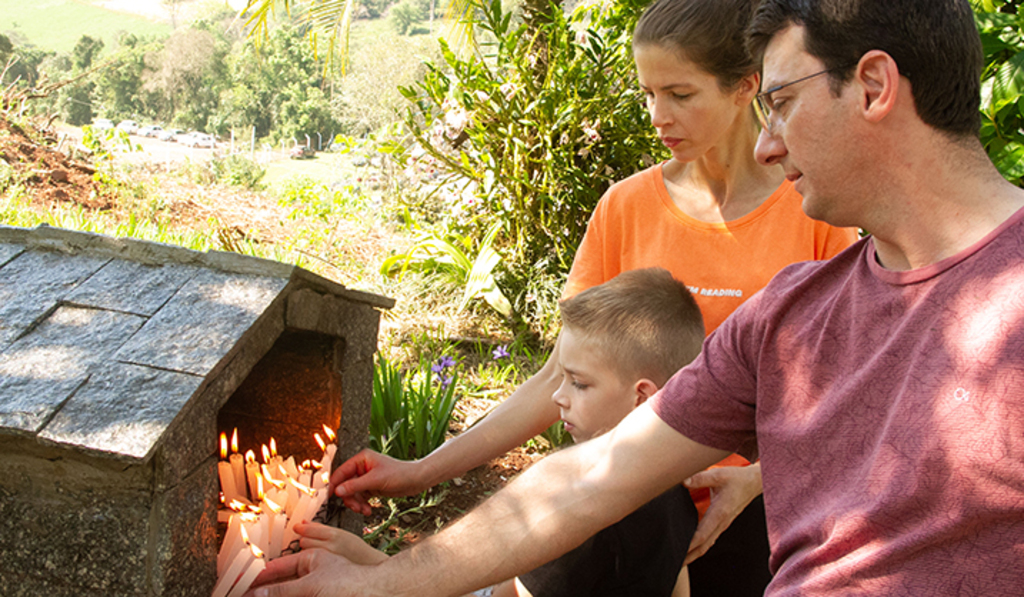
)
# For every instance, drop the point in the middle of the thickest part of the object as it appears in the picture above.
(227, 478)
(237, 465)
(238, 566)
(277, 522)
(252, 473)
(332, 448)
(301, 508)
(255, 567)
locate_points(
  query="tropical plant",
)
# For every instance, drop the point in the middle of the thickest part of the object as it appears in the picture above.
(409, 417)
(451, 256)
(1001, 24)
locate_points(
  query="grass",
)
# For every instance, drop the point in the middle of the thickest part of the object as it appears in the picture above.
(59, 24)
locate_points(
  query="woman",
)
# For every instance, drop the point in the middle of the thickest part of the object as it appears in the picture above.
(710, 215)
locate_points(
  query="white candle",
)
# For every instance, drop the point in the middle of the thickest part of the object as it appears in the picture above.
(257, 566)
(232, 538)
(252, 474)
(238, 472)
(328, 459)
(227, 481)
(290, 468)
(296, 517)
(277, 520)
(237, 567)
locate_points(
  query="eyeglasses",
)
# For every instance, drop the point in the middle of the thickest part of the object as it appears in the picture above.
(763, 101)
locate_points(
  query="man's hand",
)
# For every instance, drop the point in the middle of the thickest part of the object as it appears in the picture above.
(732, 490)
(368, 474)
(311, 572)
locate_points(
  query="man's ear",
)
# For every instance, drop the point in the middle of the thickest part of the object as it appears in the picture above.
(643, 390)
(879, 84)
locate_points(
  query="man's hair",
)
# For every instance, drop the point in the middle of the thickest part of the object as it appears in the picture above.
(707, 32)
(935, 44)
(645, 322)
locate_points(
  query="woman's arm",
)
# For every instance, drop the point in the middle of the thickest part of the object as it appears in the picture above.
(524, 414)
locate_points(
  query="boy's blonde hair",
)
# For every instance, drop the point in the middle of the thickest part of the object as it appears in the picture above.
(644, 321)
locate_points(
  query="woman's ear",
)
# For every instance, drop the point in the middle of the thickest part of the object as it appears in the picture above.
(644, 389)
(747, 88)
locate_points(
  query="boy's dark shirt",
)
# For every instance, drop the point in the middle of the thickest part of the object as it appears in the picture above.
(641, 555)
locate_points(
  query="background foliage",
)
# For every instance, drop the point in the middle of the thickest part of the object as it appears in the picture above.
(1001, 24)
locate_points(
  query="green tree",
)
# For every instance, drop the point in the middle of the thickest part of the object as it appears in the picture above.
(85, 52)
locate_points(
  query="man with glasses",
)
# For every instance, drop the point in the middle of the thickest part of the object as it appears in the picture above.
(883, 390)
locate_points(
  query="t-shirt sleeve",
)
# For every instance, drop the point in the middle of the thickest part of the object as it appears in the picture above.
(712, 400)
(588, 266)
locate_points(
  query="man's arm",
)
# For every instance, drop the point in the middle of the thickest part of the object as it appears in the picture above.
(524, 414)
(550, 509)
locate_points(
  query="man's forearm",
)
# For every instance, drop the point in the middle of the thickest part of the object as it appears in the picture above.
(550, 509)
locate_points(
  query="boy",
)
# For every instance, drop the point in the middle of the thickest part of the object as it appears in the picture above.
(621, 341)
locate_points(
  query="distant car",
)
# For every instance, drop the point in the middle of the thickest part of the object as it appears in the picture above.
(183, 138)
(301, 152)
(102, 124)
(169, 135)
(152, 130)
(199, 140)
(128, 126)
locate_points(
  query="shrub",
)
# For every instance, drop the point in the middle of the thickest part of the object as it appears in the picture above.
(1001, 24)
(534, 128)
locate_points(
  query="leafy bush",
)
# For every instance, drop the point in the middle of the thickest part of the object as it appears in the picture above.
(238, 170)
(1001, 24)
(534, 128)
(409, 417)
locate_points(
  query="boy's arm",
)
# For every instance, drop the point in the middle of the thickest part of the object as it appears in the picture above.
(548, 510)
(313, 535)
(524, 414)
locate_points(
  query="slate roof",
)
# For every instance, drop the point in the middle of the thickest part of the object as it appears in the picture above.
(104, 341)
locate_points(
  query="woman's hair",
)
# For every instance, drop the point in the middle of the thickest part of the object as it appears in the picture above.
(710, 33)
(645, 322)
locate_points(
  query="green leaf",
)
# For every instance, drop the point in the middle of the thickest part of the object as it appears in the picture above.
(1010, 160)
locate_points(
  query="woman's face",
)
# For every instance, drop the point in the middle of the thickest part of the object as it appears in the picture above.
(688, 108)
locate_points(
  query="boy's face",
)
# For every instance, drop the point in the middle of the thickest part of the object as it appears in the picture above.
(592, 397)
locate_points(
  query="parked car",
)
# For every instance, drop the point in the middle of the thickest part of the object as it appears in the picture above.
(152, 130)
(170, 135)
(102, 124)
(199, 140)
(128, 126)
(301, 152)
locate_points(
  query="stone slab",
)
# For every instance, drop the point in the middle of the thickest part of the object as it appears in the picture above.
(132, 287)
(9, 251)
(42, 369)
(122, 410)
(32, 284)
(202, 322)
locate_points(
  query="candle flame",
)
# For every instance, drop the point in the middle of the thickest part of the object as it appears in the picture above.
(254, 509)
(273, 447)
(259, 487)
(250, 456)
(248, 517)
(276, 509)
(234, 441)
(236, 505)
(223, 446)
(266, 454)
(316, 464)
(309, 490)
(284, 471)
(256, 551)
(326, 477)
(320, 441)
(245, 536)
(330, 434)
(270, 479)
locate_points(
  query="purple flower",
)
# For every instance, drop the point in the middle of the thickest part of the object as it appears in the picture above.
(446, 381)
(500, 352)
(442, 364)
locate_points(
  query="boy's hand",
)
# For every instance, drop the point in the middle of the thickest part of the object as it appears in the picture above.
(310, 572)
(369, 473)
(732, 490)
(313, 535)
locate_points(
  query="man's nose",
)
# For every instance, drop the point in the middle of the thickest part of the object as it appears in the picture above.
(769, 149)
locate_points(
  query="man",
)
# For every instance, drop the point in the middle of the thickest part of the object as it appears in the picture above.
(883, 390)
